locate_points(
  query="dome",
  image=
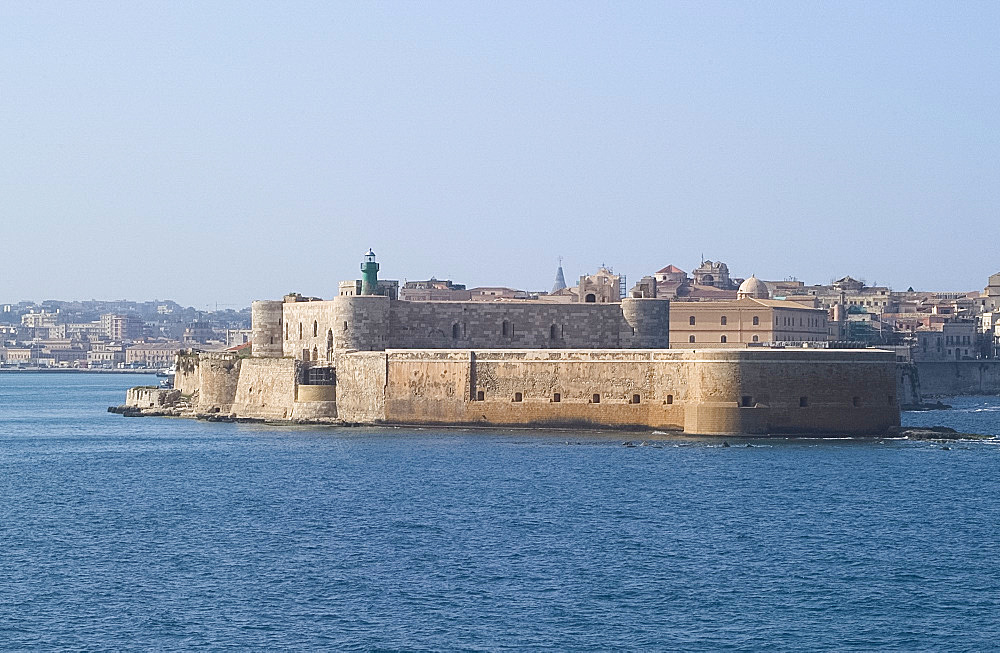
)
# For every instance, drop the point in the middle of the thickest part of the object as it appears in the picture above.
(753, 288)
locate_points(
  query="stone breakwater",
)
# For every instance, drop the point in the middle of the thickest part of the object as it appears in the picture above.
(707, 392)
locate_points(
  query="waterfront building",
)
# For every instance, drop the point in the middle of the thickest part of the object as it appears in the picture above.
(152, 354)
(753, 319)
(949, 341)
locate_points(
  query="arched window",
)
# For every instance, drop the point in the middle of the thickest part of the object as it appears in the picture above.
(690, 338)
(723, 321)
(505, 328)
(300, 331)
(329, 345)
(552, 332)
(670, 399)
(756, 320)
(315, 328)
(691, 320)
(756, 339)
(590, 298)
(315, 355)
(723, 339)
(455, 330)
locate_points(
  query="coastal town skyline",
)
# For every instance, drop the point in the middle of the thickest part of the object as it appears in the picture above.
(328, 287)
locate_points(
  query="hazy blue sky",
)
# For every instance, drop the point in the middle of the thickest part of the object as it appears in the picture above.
(214, 152)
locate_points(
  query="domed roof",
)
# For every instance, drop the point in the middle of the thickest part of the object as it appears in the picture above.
(753, 288)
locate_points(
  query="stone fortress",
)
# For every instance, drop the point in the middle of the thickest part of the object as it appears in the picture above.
(365, 357)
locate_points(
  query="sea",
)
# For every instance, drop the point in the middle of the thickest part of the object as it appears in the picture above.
(166, 534)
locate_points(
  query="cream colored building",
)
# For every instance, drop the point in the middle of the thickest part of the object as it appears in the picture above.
(991, 294)
(752, 319)
(604, 287)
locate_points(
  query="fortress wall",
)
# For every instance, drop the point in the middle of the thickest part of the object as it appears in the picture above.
(361, 382)
(480, 325)
(706, 389)
(432, 386)
(218, 376)
(186, 374)
(374, 323)
(950, 378)
(792, 391)
(361, 322)
(266, 388)
(306, 315)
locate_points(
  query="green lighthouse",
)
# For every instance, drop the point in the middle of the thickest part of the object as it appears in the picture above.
(369, 274)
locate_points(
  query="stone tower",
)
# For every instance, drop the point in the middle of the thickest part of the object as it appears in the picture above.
(369, 274)
(265, 318)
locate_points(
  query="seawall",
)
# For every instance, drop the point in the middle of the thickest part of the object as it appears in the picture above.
(715, 391)
(951, 378)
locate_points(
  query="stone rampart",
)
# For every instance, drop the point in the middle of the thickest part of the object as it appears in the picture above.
(712, 391)
(316, 330)
(699, 391)
(218, 377)
(361, 381)
(186, 372)
(266, 388)
(151, 397)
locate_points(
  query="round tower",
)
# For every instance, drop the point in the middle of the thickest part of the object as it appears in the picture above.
(649, 320)
(265, 319)
(360, 322)
(369, 274)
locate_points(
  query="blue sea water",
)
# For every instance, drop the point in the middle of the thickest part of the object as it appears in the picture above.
(119, 533)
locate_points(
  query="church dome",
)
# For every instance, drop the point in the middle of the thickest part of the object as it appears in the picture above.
(753, 288)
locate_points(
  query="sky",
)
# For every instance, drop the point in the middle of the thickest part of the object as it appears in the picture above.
(215, 153)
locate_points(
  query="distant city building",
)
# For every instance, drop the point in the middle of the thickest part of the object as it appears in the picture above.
(39, 320)
(198, 333)
(752, 319)
(715, 274)
(236, 337)
(152, 354)
(944, 342)
(991, 294)
(603, 287)
(121, 327)
(433, 290)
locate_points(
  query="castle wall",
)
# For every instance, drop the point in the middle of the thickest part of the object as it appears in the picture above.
(316, 330)
(702, 391)
(361, 382)
(266, 388)
(465, 325)
(791, 391)
(308, 327)
(186, 373)
(218, 376)
(362, 322)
